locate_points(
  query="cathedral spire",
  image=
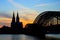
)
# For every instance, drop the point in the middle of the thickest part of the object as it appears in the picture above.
(13, 18)
(17, 17)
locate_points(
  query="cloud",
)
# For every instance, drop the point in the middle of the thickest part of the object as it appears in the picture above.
(28, 14)
(5, 21)
(47, 4)
(17, 5)
(3, 14)
(27, 17)
(24, 12)
(10, 0)
(38, 5)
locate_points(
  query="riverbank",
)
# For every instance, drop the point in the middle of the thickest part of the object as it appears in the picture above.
(52, 38)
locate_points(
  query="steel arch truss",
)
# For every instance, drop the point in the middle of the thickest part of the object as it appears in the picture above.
(46, 16)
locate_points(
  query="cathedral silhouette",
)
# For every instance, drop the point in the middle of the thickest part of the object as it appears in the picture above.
(16, 25)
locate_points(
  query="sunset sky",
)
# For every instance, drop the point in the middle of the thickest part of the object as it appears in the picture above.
(27, 9)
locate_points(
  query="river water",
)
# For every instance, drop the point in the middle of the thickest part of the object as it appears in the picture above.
(24, 37)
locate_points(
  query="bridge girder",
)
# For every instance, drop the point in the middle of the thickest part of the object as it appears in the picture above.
(46, 16)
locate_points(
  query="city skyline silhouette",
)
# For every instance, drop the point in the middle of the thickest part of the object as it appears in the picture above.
(43, 24)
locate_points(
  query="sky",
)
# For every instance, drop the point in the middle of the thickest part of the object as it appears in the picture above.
(27, 9)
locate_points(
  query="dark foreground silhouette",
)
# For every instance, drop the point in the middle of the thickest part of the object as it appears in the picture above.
(38, 28)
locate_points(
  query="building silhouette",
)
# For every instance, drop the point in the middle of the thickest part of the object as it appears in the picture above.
(13, 21)
(16, 26)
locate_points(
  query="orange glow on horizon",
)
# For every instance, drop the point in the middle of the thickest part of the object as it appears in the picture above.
(25, 21)
(0, 26)
(7, 21)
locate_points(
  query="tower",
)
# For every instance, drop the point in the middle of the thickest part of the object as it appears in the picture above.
(18, 24)
(17, 18)
(13, 20)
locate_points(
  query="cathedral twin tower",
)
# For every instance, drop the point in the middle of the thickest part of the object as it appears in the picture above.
(16, 25)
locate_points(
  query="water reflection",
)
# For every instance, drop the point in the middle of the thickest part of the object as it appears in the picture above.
(5, 37)
(23, 37)
(15, 37)
(53, 35)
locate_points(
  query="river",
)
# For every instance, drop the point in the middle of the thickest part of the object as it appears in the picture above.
(24, 37)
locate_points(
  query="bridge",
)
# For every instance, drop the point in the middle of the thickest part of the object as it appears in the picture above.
(49, 22)
(47, 17)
